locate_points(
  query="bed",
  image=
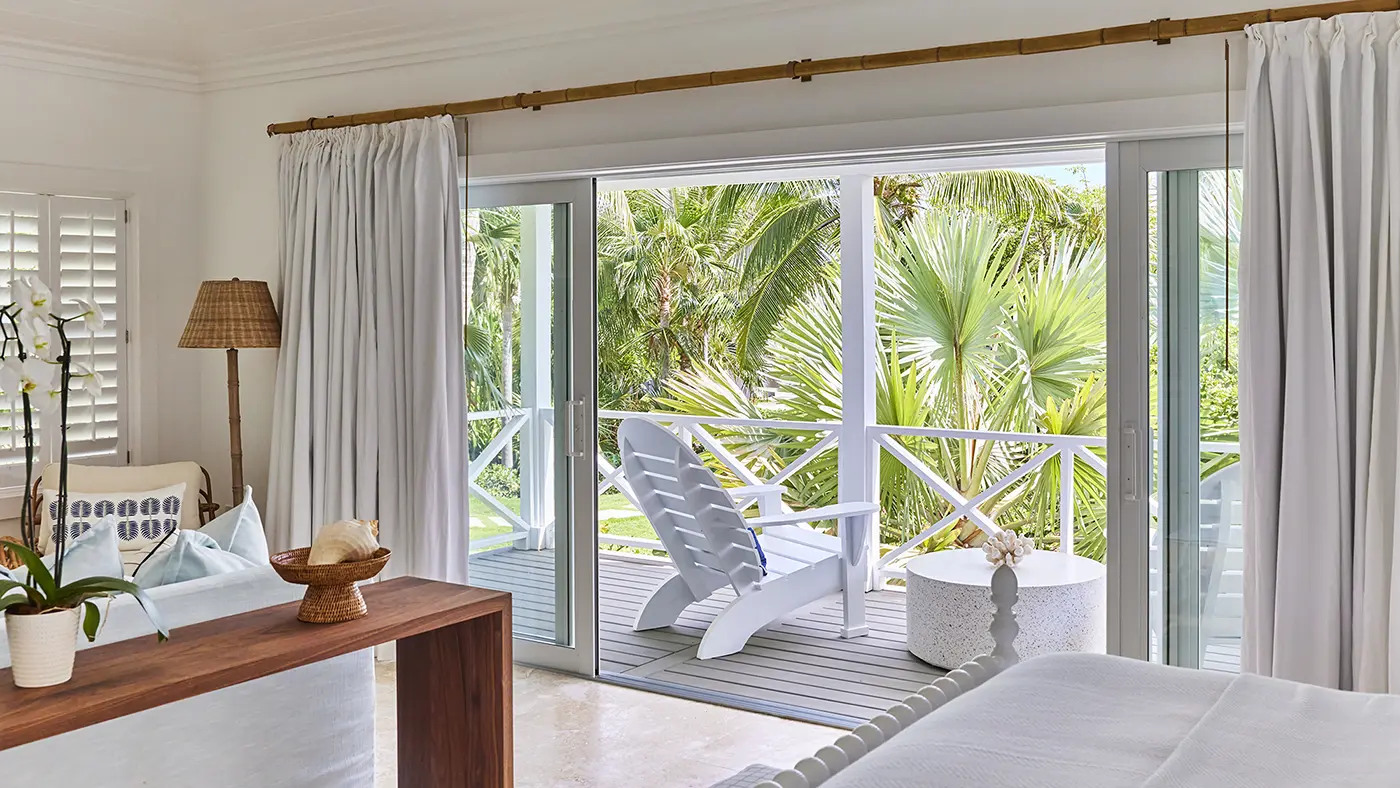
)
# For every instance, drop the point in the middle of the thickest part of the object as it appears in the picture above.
(1094, 721)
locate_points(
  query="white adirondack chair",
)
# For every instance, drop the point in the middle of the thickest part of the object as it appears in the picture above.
(711, 545)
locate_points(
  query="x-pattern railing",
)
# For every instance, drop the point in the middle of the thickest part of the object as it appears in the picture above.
(1066, 447)
(512, 422)
(697, 430)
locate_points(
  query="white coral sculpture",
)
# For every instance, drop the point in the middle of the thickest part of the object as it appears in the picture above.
(1008, 548)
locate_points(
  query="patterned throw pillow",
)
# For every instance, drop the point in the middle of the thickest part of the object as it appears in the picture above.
(143, 518)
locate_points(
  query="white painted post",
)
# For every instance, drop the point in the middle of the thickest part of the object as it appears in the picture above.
(536, 395)
(1067, 499)
(857, 456)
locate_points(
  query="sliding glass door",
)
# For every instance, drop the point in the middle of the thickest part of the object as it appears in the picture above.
(529, 347)
(1181, 505)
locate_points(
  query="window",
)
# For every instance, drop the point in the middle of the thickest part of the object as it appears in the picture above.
(77, 246)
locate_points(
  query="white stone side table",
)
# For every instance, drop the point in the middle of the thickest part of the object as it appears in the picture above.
(1063, 605)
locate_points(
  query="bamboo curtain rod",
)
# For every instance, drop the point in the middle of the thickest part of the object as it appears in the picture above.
(1161, 31)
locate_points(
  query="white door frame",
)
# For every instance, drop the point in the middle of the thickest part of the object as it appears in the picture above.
(1130, 439)
(575, 433)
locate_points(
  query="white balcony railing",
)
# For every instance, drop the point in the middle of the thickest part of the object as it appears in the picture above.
(700, 432)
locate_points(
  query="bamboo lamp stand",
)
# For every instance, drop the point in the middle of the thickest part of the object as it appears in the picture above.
(230, 315)
(235, 426)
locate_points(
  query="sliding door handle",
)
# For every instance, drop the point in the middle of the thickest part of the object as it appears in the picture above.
(1129, 464)
(577, 425)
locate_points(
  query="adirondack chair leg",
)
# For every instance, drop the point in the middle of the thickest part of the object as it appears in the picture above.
(665, 605)
(751, 612)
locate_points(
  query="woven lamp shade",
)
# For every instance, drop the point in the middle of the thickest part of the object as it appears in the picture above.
(233, 314)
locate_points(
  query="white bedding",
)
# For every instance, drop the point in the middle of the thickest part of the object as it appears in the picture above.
(1090, 721)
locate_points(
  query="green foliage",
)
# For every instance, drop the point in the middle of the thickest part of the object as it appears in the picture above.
(39, 593)
(500, 481)
(967, 342)
(701, 275)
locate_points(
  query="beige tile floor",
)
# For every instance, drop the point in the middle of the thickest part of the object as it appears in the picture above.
(579, 733)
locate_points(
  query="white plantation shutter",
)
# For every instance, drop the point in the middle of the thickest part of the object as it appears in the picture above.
(88, 244)
(23, 246)
(77, 245)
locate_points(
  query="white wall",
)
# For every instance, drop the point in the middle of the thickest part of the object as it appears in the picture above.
(66, 134)
(1123, 90)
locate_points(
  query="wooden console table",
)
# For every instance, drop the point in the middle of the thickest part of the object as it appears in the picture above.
(454, 675)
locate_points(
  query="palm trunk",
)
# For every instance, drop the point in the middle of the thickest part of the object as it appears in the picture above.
(508, 365)
(663, 322)
(473, 223)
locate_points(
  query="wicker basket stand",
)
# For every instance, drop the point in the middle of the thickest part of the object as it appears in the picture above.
(331, 593)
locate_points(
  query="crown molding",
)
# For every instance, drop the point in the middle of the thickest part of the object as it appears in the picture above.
(76, 62)
(429, 48)
(371, 54)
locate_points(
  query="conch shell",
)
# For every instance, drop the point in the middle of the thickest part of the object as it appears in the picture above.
(345, 540)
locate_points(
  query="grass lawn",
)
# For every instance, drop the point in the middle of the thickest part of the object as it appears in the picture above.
(615, 516)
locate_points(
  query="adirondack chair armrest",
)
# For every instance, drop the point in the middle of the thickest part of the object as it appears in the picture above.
(769, 497)
(755, 490)
(839, 511)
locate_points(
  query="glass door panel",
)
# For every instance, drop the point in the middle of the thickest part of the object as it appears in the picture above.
(529, 383)
(1196, 552)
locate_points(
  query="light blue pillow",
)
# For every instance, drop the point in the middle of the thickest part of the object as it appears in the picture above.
(194, 555)
(95, 553)
(240, 531)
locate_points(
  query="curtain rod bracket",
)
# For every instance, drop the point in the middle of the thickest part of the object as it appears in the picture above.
(792, 70)
(1156, 33)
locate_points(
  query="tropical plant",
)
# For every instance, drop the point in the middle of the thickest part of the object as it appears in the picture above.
(971, 339)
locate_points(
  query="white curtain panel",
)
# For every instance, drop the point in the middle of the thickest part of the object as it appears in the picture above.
(1320, 351)
(370, 390)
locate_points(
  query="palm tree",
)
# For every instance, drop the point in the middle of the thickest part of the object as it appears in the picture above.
(495, 269)
(699, 274)
(971, 340)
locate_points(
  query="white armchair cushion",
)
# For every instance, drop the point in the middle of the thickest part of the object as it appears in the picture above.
(143, 518)
(124, 478)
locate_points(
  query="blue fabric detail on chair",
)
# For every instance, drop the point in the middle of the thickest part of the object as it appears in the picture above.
(762, 558)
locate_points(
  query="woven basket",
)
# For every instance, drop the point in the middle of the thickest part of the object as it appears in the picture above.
(331, 593)
(8, 559)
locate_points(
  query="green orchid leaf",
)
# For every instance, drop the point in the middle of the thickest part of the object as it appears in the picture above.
(81, 590)
(91, 618)
(12, 601)
(30, 595)
(38, 573)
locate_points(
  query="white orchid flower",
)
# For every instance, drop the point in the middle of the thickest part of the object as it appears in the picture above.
(49, 401)
(91, 314)
(36, 336)
(91, 378)
(29, 376)
(93, 385)
(32, 296)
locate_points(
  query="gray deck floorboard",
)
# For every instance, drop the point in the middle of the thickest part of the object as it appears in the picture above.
(799, 662)
(799, 666)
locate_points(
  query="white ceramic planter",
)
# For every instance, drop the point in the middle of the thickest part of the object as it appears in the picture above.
(42, 647)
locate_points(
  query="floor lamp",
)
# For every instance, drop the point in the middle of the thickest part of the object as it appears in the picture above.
(233, 314)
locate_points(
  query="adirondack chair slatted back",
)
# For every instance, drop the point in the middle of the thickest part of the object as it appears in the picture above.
(723, 526)
(685, 504)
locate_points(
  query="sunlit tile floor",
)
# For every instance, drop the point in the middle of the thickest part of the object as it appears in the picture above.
(574, 732)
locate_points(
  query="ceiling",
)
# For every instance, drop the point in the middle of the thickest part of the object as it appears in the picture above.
(199, 35)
